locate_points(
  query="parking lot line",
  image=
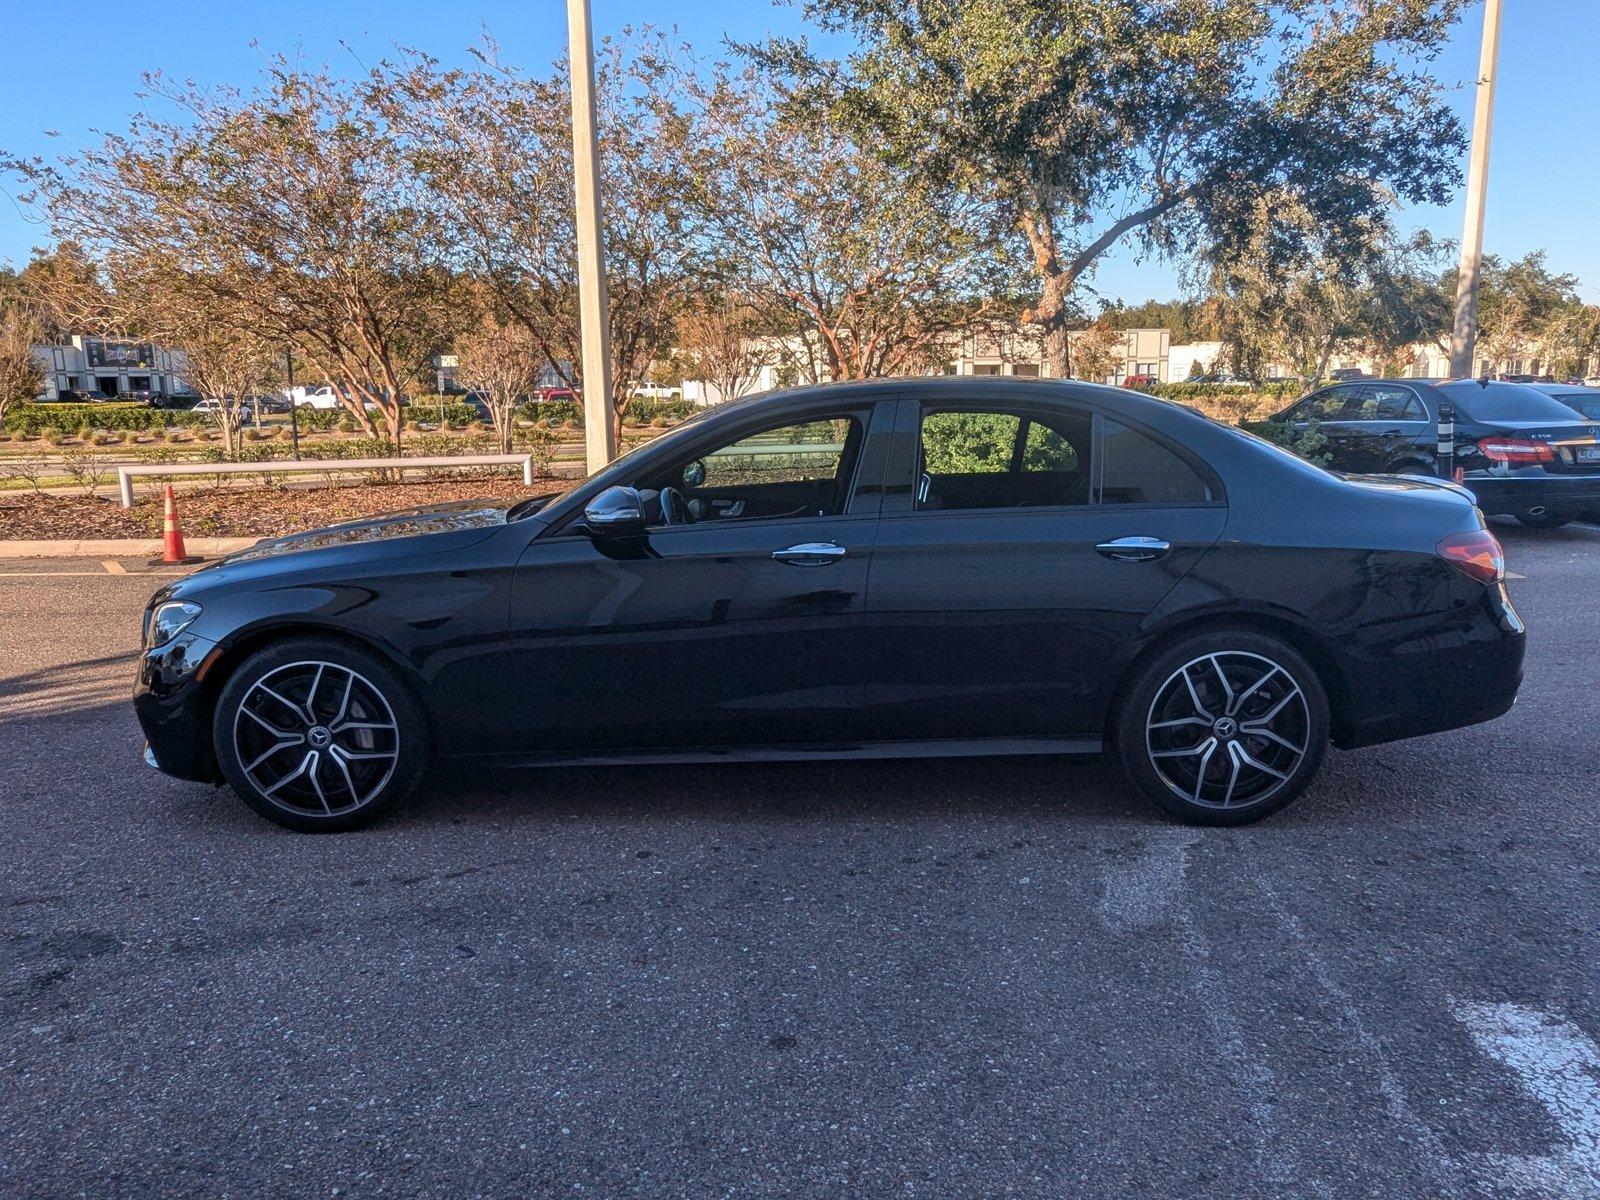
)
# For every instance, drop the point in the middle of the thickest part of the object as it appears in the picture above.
(113, 567)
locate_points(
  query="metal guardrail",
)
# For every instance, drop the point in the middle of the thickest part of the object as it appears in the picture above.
(300, 465)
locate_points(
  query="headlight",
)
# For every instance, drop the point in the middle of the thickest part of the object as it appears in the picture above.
(168, 620)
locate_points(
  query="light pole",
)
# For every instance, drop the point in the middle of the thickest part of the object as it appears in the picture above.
(593, 311)
(1464, 334)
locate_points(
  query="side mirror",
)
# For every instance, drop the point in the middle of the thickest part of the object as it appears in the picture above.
(617, 510)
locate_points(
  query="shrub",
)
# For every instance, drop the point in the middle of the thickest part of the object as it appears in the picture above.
(33, 418)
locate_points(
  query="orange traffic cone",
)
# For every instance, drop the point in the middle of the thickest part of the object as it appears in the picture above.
(172, 550)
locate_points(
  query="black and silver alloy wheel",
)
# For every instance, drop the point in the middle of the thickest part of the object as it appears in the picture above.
(318, 735)
(1223, 728)
(1227, 729)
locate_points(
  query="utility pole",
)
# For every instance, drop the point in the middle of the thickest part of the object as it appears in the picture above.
(594, 314)
(1464, 335)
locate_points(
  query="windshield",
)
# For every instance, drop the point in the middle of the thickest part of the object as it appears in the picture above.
(1490, 402)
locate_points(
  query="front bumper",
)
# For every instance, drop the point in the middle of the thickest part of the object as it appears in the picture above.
(1510, 495)
(173, 709)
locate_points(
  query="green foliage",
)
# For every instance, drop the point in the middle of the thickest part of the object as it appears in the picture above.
(642, 411)
(32, 420)
(1188, 392)
(1311, 444)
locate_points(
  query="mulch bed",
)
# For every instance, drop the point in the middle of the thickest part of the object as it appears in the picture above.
(241, 512)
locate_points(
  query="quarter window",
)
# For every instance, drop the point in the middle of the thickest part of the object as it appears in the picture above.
(1137, 469)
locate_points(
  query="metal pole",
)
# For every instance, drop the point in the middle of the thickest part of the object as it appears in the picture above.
(593, 311)
(1464, 335)
(294, 405)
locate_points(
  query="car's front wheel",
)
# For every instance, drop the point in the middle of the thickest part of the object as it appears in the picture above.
(1223, 728)
(319, 735)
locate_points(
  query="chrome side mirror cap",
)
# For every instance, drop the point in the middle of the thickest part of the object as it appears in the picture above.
(615, 510)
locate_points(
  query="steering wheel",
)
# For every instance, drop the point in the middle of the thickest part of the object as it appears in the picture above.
(674, 508)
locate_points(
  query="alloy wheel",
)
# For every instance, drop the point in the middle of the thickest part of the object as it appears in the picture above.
(316, 738)
(1227, 730)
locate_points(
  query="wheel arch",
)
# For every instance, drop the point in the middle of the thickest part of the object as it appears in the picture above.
(238, 650)
(1313, 648)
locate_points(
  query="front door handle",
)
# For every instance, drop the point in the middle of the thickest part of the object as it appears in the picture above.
(1134, 549)
(810, 554)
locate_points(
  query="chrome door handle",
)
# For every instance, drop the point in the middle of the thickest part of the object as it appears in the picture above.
(810, 554)
(1134, 549)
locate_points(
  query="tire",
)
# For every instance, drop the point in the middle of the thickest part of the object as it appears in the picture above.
(362, 754)
(1545, 520)
(1175, 702)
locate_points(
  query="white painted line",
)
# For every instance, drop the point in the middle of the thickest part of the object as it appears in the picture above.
(1559, 1065)
(113, 567)
(1445, 1175)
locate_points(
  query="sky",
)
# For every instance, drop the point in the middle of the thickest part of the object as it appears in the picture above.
(79, 72)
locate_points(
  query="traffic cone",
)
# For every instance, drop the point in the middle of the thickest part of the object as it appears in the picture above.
(172, 550)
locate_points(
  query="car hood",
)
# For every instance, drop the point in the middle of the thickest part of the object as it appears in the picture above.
(454, 517)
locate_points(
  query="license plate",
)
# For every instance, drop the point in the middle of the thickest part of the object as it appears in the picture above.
(1587, 454)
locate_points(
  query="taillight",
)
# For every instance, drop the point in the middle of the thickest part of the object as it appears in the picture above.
(1477, 554)
(1516, 452)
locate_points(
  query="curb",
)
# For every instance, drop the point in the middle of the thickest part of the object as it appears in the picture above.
(120, 547)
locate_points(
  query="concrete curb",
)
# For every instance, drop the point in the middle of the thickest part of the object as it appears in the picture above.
(120, 547)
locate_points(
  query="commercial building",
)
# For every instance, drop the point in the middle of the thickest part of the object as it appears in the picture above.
(116, 368)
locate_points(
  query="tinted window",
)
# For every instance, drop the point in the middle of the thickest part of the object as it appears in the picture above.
(1504, 402)
(1586, 403)
(789, 454)
(1325, 405)
(1386, 402)
(976, 459)
(1137, 469)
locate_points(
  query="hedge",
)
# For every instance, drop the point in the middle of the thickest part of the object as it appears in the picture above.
(32, 419)
(1282, 388)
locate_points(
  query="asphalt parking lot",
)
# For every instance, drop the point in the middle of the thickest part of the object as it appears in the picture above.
(923, 979)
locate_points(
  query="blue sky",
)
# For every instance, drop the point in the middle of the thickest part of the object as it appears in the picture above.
(76, 70)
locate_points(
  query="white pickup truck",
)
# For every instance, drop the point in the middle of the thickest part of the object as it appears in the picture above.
(326, 396)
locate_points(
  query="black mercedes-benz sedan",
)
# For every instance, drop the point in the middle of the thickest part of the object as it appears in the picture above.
(902, 568)
(1521, 452)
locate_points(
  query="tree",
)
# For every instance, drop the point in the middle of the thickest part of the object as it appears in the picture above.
(500, 361)
(494, 147)
(1378, 299)
(291, 208)
(873, 269)
(719, 341)
(1525, 310)
(21, 378)
(1096, 122)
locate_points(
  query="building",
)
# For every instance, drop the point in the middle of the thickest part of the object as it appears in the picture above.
(114, 367)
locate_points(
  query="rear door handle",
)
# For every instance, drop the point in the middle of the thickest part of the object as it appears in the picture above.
(810, 554)
(1134, 549)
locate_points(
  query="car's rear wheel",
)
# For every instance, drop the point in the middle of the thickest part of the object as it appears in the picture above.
(1223, 728)
(319, 735)
(1543, 519)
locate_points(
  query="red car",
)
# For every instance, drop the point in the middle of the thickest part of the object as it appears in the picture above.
(559, 393)
(1140, 381)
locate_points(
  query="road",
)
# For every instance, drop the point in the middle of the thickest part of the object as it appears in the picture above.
(927, 979)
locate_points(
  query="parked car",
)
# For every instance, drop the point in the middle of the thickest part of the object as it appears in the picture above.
(1140, 381)
(212, 405)
(552, 394)
(1521, 453)
(1582, 399)
(953, 566)
(653, 391)
(1339, 374)
(271, 402)
(81, 396)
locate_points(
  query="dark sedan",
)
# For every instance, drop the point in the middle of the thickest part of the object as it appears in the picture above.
(956, 566)
(1520, 452)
